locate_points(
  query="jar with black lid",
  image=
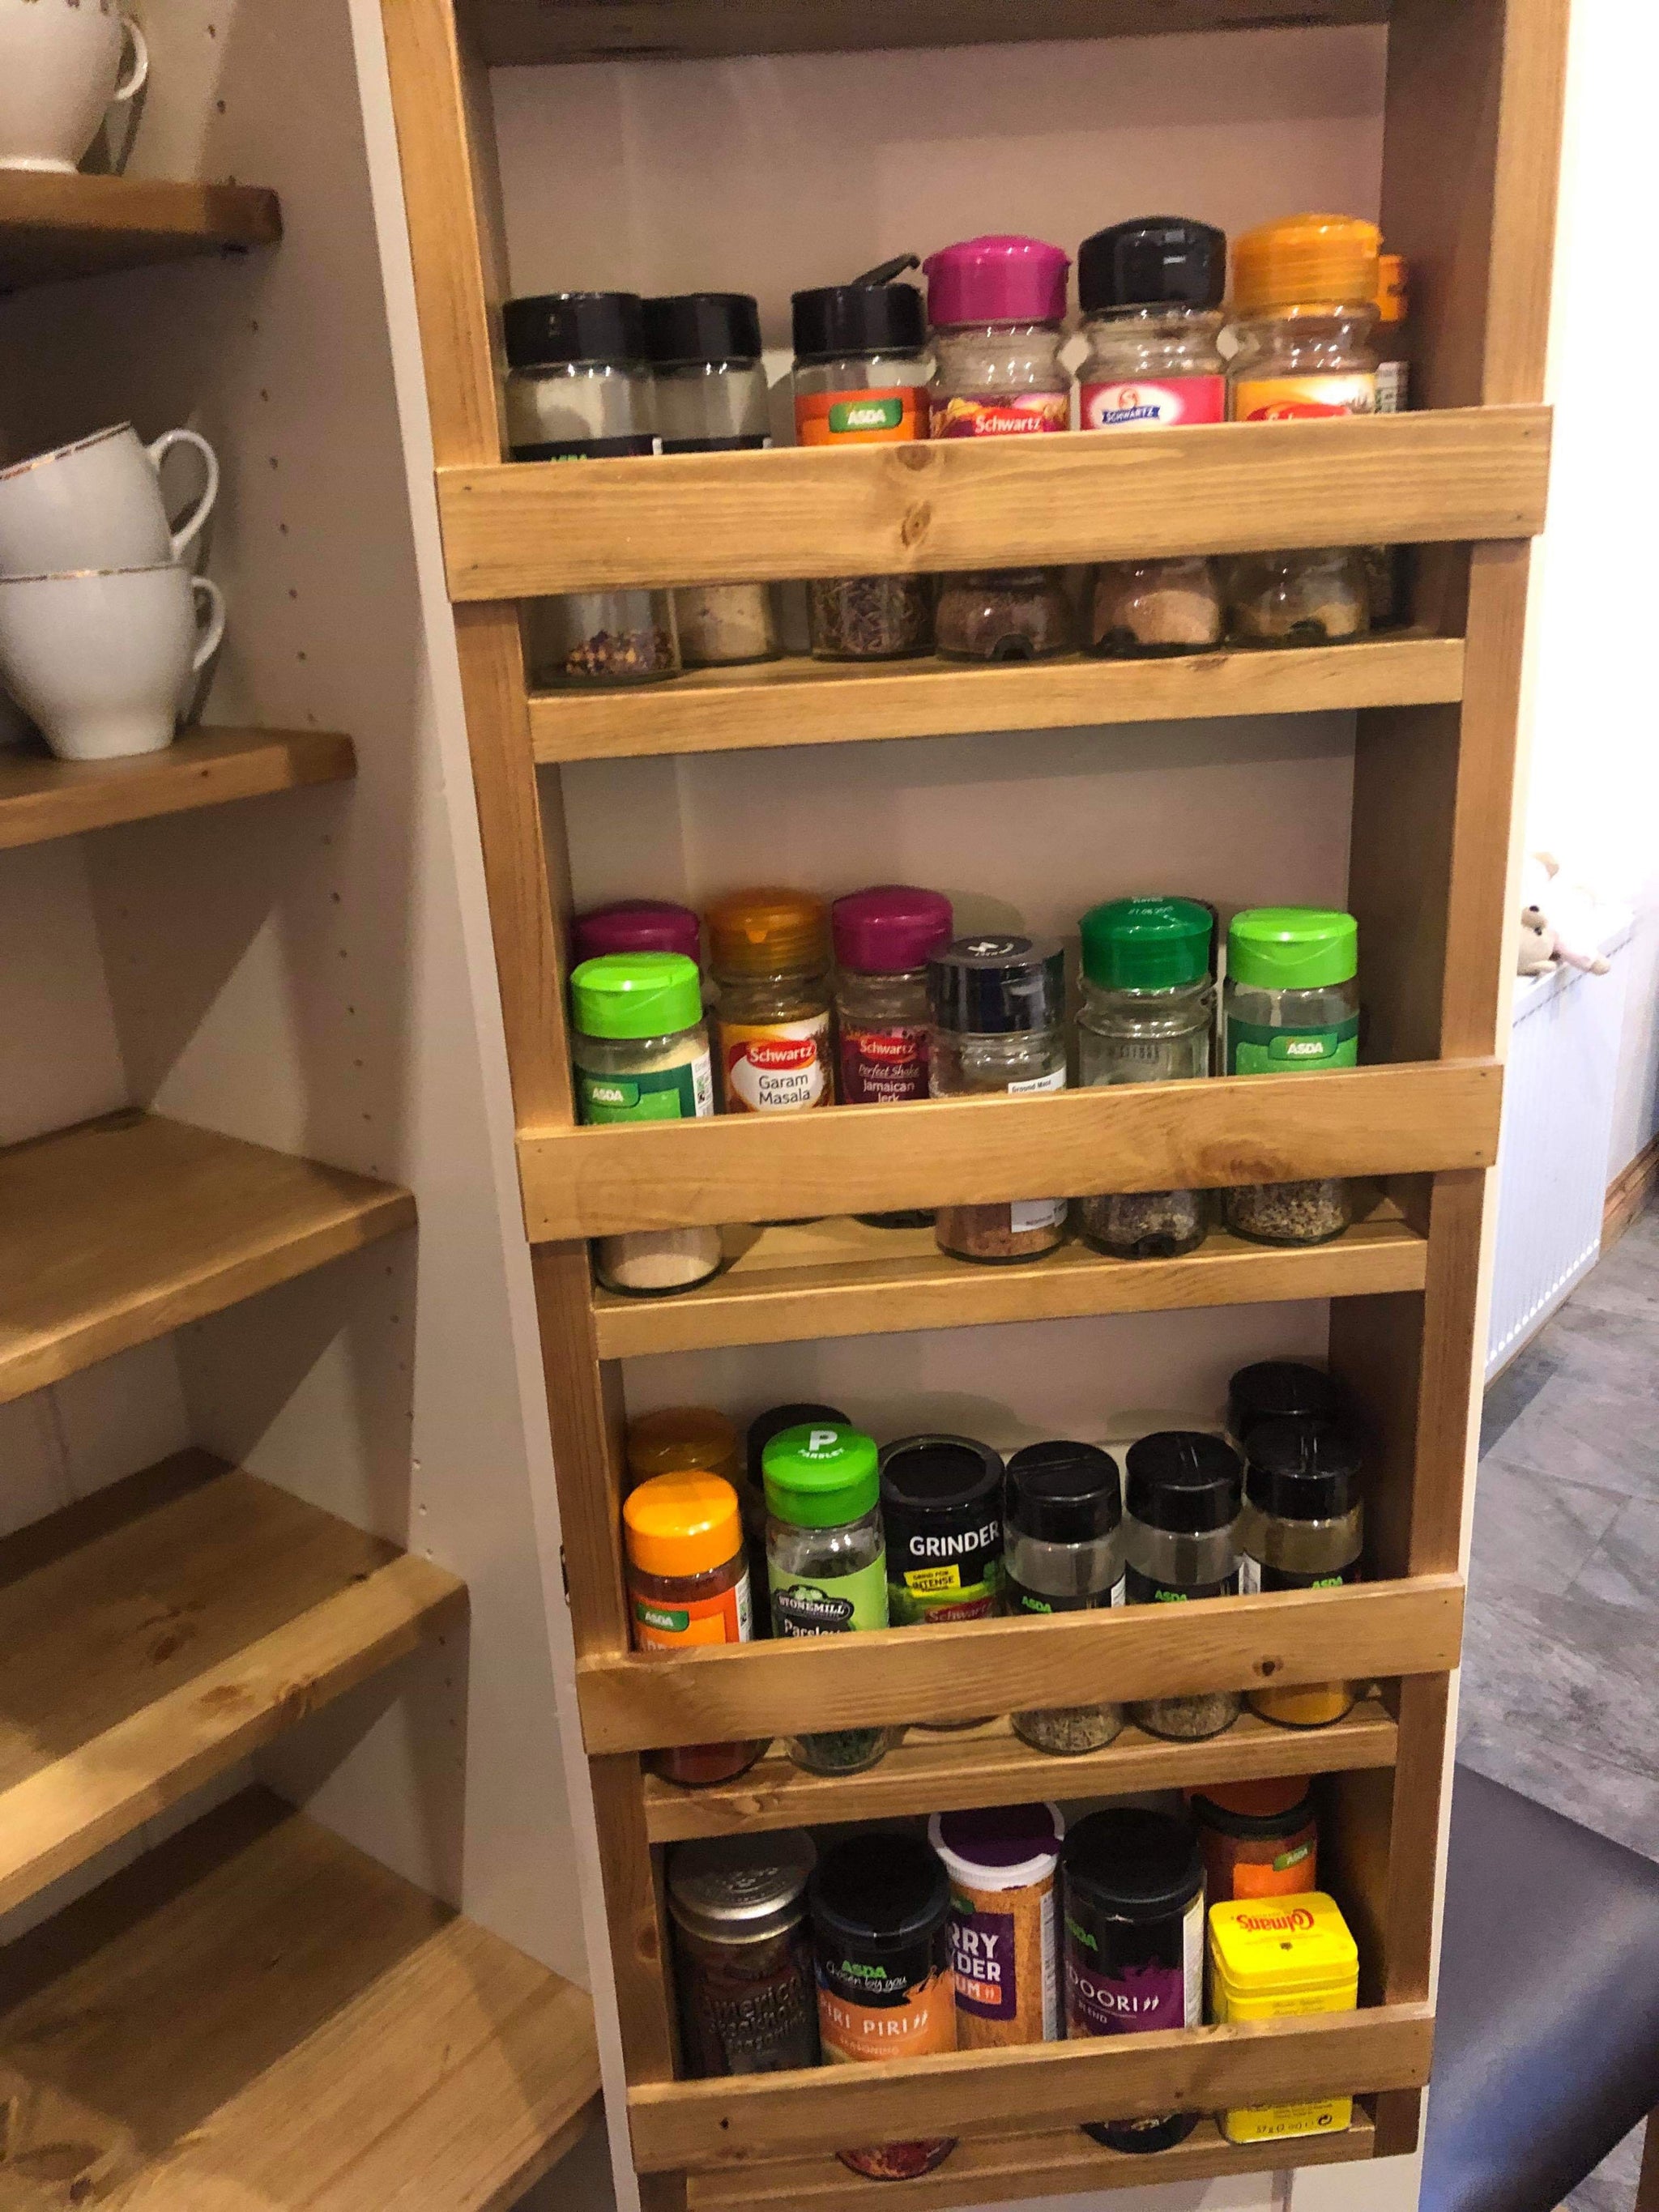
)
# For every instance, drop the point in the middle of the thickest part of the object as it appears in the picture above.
(941, 1505)
(747, 1995)
(1063, 1552)
(1280, 1391)
(1180, 1539)
(1301, 1527)
(579, 388)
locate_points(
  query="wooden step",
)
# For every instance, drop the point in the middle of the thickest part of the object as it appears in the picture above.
(118, 1231)
(158, 1631)
(257, 2015)
(53, 226)
(42, 797)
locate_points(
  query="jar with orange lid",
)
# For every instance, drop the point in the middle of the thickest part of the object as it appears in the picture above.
(1259, 1838)
(687, 1587)
(769, 953)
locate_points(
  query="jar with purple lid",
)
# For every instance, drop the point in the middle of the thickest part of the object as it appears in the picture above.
(637, 925)
(884, 939)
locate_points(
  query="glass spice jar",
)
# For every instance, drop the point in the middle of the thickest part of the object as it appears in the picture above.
(1180, 1539)
(1259, 1838)
(748, 1998)
(1146, 1016)
(1387, 565)
(998, 1008)
(1151, 293)
(1301, 1527)
(1063, 1552)
(1280, 1391)
(682, 1440)
(769, 953)
(752, 1491)
(884, 939)
(687, 1587)
(579, 389)
(637, 925)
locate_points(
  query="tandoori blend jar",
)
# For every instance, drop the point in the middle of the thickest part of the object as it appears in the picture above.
(748, 1997)
(687, 1587)
(1063, 1552)
(1180, 1539)
(1301, 1527)
(769, 952)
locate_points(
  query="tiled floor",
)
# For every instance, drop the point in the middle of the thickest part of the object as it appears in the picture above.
(1561, 1654)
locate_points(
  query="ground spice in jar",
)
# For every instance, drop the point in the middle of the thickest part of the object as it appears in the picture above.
(1301, 1528)
(687, 1587)
(1005, 1921)
(748, 1998)
(884, 939)
(1180, 1539)
(1280, 1391)
(1258, 1838)
(769, 952)
(1062, 1553)
(751, 1492)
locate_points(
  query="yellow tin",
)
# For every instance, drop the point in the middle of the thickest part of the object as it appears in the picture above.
(1270, 1957)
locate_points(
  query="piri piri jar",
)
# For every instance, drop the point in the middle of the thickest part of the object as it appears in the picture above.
(687, 1587)
(769, 952)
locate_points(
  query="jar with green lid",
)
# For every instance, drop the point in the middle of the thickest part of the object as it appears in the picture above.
(641, 1051)
(1147, 1004)
(1291, 1007)
(826, 1562)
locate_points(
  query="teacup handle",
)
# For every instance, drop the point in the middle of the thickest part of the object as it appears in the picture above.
(190, 528)
(213, 636)
(140, 62)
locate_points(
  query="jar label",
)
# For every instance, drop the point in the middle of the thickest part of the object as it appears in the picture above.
(1018, 1599)
(1393, 385)
(1128, 1997)
(1153, 406)
(889, 417)
(1254, 1049)
(884, 1067)
(1301, 398)
(1025, 1214)
(668, 1625)
(1001, 414)
(684, 1093)
(1254, 1578)
(750, 445)
(982, 1956)
(941, 1593)
(587, 449)
(829, 1605)
(866, 2011)
(740, 2022)
(775, 1067)
(1145, 1590)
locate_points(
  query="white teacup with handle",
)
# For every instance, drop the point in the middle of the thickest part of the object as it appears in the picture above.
(60, 71)
(101, 658)
(97, 503)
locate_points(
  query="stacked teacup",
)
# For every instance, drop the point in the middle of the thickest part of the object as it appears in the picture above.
(60, 72)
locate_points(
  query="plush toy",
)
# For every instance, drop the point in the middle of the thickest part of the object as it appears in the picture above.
(1552, 917)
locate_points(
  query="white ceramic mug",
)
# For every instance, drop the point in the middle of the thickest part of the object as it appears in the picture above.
(101, 659)
(60, 69)
(97, 504)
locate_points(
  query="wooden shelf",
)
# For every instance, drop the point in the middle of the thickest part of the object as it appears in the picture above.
(122, 1229)
(892, 1676)
(1367, 1122)
(842, 1278)
(517, 528)
(989, 1765)
(42, 797)
(160, 1631)
(257, 2015)
(55, 227)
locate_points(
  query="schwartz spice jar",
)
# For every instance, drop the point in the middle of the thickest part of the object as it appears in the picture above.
(748, 1999)
(1004, 1921)
(769, 951)
(884, 939)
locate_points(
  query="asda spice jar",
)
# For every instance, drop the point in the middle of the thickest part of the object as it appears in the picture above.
(1280, 1391)
(884, 939)
(687, 1587)
(1180, 1539)
(881, 1906)
(1301, 1527)
(748, 1998)
(1063, 1552)
(1258, 1838)
(769, 952)
(1004, 1867)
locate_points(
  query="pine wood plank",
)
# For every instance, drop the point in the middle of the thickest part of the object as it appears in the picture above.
(149, 1644)
(636, 1702)
(857, 1159)
(41, 798)
(256, 2014)
(55, 227)
(520, 527)
(840, 1277)
(816, 703)
(989, 1765)
(118, 1231)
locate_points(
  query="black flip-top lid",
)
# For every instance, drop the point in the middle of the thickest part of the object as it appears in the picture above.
(879, 1890)
(1302, 1470)
(1157, 260)
(926, 1476)
(693, 326)
(989, 985)
(1280, 1391)
(1063, 1493)
(776, 1420)
(1184, 1480)
(555, 326)
(873, 314)
(1137, 1864)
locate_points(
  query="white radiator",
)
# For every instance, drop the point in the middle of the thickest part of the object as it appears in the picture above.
(1552, 1153)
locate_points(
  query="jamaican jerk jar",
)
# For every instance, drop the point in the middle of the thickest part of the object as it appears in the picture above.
(884, 939)
(747, 1995)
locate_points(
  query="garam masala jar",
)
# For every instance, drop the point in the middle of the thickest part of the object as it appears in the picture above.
(769, 953)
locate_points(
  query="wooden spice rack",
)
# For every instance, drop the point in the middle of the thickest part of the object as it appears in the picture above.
(1472, 136)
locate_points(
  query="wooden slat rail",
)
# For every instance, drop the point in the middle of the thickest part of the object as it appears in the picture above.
(632, 1702)
(41, 798)
(52, 227)
(518, 528)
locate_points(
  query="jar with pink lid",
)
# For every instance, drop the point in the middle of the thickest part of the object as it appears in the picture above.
(884, 939)
(996, 308)
(637, 925)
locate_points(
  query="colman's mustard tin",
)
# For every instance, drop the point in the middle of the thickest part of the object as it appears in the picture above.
(1270, 1957)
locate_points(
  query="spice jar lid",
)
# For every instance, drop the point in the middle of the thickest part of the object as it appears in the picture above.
(701, 326)
(677, 1438)
(1292, 948)
(988, 986)
(766, 932)
(889, 928)
(820, 1477)
(996, 279)
(1147, 944)
(1302, 1470)
(1280, 1391)
(571, 326)
(879, 1890)
(741, 1889)
(682, 1524)
(1273, 1805)
(636, 994)
(1155, 261)
(1002, 1847)
(777, 1419)
(1392, 288)
(833, 321)
(1306, 261)
(637, 925)
(1133, 1864)
(1063, 1493)
(935, 1478)
(1183, 1480)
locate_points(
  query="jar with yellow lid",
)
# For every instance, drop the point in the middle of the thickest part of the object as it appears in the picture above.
(1274, 1957)
(682, 1439)
(687, 1587)
(769, 953)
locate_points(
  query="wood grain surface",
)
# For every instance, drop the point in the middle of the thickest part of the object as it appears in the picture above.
(52, 227)
(42, 797)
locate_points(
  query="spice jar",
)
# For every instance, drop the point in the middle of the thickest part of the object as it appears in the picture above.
(637, 925)
(748, 1998)
(1301, 1528)
(1148, 1008)
(995, 311)
(751, 1493)
(861, 378)
(999, 1006)
(1151, 293)
(1063, 1552)
(705, 352)
(1270, 1962)
(641, 1053)
(881, 1905)
(1259, 1838)
(687, 1587)
(1290, 1007)
(1280, 1391)
(1134, 1944)
(941, 1505)
(681, 1440)
(579, 389)
(1180, 1539)
(1386, 565)
(769, 953)
(884, 939)
(826, 1563)
(1004, 1867)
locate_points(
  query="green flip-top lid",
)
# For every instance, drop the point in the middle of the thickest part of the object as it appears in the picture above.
(821, 1474)
(1147, 944)
(1292, 948)
(636, 994)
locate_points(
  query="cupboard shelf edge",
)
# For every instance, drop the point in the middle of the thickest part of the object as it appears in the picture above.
(41, 798)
